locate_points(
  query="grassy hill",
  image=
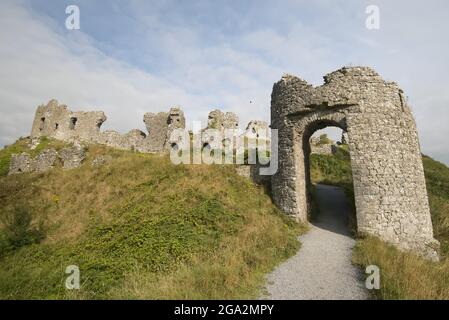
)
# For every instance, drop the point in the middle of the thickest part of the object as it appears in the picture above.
(138, 227)
(403, 275)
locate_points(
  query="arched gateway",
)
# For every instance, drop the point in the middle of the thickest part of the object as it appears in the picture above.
(389, 185)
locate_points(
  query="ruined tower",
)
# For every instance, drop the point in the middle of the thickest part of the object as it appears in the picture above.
(389, 184)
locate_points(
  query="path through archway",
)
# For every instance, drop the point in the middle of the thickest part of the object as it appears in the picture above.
(322, 268)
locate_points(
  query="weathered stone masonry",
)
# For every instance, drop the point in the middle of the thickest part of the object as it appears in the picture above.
(69, 157)
(389, 184)
(322, 148)
(57, 121)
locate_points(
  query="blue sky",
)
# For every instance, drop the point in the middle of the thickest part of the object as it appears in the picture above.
(130, 57)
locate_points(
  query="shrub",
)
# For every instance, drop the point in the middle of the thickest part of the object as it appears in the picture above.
(18, 230)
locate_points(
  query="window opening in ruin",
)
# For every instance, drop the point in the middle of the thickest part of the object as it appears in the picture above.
(206, 146)
(174, 146)
(73, 121)
(42, 125)
(226, 142)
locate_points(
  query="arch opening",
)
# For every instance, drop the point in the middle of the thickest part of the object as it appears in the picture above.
(327, 165)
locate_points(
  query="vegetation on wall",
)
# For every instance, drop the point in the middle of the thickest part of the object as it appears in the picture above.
(23, 145)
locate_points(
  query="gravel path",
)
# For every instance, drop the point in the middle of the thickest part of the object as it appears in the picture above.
(322, 268)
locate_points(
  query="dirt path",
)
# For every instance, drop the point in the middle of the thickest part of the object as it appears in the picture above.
(322, 268)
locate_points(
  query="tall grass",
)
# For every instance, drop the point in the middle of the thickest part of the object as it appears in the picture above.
(403, 276)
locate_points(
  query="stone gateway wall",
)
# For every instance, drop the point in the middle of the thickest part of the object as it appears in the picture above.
(389, 184)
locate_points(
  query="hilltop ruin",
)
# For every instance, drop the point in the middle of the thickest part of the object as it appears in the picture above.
(379, 128)
(55, 120)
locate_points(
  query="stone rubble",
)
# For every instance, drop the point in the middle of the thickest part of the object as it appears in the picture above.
(70, 158)
(322, 148)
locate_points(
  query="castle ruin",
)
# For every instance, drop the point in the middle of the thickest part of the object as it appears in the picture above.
(379, 128)
(57, 121)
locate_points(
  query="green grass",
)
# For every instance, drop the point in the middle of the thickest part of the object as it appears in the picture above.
(403, 275)
(143, 228)
(332, 169)
(437, 181)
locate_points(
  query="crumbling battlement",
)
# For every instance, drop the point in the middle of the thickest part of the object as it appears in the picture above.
(221, 120)
(57, 121)
(389, 184)
(160, 126)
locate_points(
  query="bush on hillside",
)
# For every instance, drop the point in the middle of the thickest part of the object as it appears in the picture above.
(17, 228)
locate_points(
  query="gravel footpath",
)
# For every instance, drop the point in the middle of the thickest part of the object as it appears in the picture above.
(322, 268)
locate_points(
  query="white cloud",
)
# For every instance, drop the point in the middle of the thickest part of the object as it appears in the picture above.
(38, 64)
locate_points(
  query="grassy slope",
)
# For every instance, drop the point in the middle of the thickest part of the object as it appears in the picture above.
(141, 227)
(403, 275)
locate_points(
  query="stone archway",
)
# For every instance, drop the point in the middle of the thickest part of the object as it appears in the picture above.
(388, 176)
(309, 125)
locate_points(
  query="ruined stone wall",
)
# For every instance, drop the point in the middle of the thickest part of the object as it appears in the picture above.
(217, 134)
(160, 126)
(57, 121)
(344, 138)
(257, 130)
(322, 148)
(220, 120)
(389, 186)
(69, 157)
